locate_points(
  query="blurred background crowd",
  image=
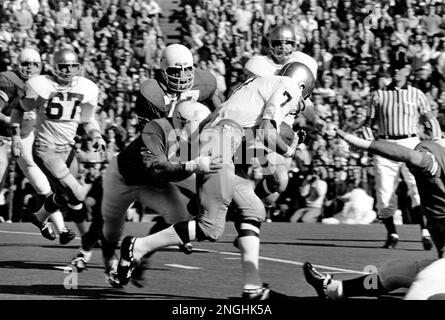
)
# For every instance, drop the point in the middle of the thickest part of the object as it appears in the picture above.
(354, 42)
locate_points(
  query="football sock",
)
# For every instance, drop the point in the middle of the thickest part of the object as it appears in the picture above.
(57, 220)
(389, 224)
(161, 239)
(335, 289)
(82, 227)
(418, 217)
(250, 248)
(363, 286)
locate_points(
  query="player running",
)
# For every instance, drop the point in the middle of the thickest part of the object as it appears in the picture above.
(271, 100)
(62, 101)
(11, 89)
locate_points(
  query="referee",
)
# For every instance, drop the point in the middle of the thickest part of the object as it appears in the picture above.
(395, 113)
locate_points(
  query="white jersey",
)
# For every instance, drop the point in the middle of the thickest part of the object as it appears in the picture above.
(60, 109)
(263, 66)
(263, 98)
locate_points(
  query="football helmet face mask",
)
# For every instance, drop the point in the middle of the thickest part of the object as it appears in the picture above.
(66, 66)
(302, 75)
(187, 117)
(29, 63)
(177, 67)
(282, 43)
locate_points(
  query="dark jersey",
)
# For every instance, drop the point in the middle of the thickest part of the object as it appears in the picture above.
(430, 179)
(11, 91)
(159, 143)
(154, 101)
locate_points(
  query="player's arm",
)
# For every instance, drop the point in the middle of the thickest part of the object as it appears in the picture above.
(429, 119)
(4, 100)
(32, 99)
(278, 107)
(389, 150)
(88, 118)
(160, 167)
(370, 118)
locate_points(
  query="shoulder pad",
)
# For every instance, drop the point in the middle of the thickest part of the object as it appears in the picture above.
(150, 88)
(42, 85)
(14, 78)
(261, 66)
(205, 82)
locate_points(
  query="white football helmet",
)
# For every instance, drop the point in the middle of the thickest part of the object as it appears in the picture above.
(177, 67)
(29, 63)
(66, 66)
(187, 116)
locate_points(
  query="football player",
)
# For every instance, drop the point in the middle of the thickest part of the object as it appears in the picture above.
(271, 100)
(177, 80)
(427, 164)
(146, 171)
(424, 280)
(62, 101)
(282, 49)
(11, 89)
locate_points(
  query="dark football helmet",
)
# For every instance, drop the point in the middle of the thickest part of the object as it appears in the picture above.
(282, 42)
(302, 75)
(66, 66)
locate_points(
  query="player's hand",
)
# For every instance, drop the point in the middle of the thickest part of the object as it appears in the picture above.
(256, 171)
(204, 164)
(16, 147)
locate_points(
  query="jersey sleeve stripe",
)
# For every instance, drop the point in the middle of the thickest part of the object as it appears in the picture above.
(4, 96)
(435, 166)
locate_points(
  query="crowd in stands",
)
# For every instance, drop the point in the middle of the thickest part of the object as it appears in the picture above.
(354, 43)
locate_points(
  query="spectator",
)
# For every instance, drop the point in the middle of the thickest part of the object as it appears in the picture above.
(314, 190)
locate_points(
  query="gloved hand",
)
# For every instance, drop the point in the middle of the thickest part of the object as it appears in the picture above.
(204, 164)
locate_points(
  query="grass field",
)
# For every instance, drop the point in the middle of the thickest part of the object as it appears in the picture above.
(32, 267)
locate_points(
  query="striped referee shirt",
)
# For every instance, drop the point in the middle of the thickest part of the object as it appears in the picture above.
(396, 112)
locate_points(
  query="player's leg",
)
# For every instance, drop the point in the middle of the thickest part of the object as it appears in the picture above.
(386, 181)
(393, 275)
(437, 229)
(4, 159)
(55, 165)
(429, 282)
(416, 208)
(41, 185)
(116, 199)
(252, 213)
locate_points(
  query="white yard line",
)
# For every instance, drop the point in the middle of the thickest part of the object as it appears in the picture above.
(295, 263)
(181, 266)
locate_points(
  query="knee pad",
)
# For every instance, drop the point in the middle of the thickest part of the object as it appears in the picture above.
(53, 203)
(182, 229)
(249, 228)
(78, 212)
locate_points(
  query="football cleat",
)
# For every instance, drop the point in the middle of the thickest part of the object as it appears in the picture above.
(187, 248)
(66, 236)
(111, 273)
(427, 243)
(126, 262)
(391, 242)
(317, 280)
(80, 261)
(263, 293)
(44, 227)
